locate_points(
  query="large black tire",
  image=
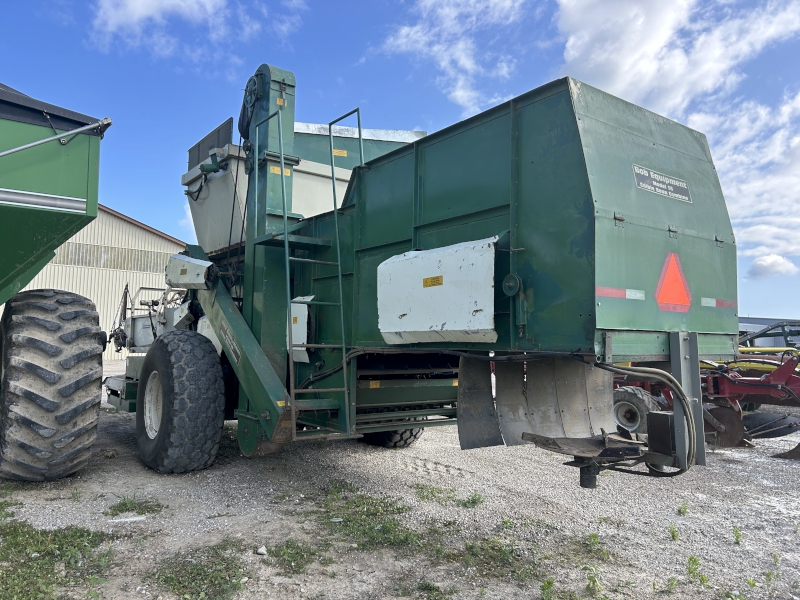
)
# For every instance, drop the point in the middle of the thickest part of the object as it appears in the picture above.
(631, 407)
(183, 367)
(52, 367)
(401, 438)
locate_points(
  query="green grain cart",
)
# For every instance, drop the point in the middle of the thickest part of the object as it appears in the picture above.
(495, 275)
(50, 340)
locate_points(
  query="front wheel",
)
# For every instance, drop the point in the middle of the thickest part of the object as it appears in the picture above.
(180, 405)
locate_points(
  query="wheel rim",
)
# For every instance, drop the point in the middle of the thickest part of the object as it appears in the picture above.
(153, 403)
(627, 415)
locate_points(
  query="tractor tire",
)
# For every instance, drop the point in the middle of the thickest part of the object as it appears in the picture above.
(180, 405)
(402, 438)
(631, 407)
(52, 367)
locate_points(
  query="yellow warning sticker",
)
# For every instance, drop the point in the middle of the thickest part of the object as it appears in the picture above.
(374, 384)
(337, 152)
(294, 320)
(455, 382)
(280, 101)
(433, 281)
(277, 171)
(281, 403)
(184, 271)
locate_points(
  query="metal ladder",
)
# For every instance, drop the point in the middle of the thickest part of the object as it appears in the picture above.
(293, 391)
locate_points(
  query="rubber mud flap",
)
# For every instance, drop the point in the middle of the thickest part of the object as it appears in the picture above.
(477, 420)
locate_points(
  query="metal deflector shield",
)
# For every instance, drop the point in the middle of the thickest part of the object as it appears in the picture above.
(477, 419)
(555, 398)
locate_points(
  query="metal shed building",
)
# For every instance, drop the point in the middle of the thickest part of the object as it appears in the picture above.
(99, 260)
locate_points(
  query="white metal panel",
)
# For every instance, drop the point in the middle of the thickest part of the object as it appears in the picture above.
(204, 328)
(440, 295)
(299, 328)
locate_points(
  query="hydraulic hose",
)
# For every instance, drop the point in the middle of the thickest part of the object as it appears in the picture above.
(673, 384)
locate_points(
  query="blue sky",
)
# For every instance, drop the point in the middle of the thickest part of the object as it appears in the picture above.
(168, 71)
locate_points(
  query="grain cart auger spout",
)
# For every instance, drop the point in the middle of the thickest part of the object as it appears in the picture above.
(548, 243)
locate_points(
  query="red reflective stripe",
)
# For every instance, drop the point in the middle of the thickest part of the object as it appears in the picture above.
(726, 303)
(609, 292)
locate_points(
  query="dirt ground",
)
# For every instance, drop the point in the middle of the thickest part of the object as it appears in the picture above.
(487, 523)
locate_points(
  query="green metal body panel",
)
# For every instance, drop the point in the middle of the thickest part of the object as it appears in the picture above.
(30, 234)
(315, 148)
(551, 168)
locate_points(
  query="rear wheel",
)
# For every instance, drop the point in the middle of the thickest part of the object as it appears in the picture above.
(401, 438)
(52, 367)
(631, 407)
(180, 406)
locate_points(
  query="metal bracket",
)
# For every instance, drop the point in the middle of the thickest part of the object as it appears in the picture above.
(685, 366)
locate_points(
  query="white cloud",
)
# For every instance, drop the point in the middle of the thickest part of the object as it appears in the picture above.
(770, 265)
(146, 22)
(187, 224)
(666, 54)
(152, 24)
(445, 33)
(685, 59)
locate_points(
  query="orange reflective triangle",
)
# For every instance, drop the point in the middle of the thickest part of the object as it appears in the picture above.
(672, 293)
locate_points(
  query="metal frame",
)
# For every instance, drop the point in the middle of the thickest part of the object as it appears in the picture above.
(293, 391)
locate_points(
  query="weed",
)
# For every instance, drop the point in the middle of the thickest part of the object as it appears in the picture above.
(75, 495)
(593, 547)
(737, 535)
(36, 561)
(594, 581)
(365, 519)
(770, 581)
(5, 505)
(776, 559)
(434, 592)
(670, 586)
(431, 493)
(294, 557)
(470, 501)
(751, 582)
(128, 504)
(506, 524)
(682, 509)
(212, 572)
(548, 593)
(496, 558)
(673, 532)
(693, 569)
(734, 595)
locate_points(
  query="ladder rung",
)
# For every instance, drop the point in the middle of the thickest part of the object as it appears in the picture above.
(318, 390)
(336, 346)
(316, 302)
(313, 260)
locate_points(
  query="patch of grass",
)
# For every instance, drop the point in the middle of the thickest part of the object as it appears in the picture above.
(682, 509)
(5, 513)
(496, 558)
(431, 493)
(128, 504)
(506, 523)
(673, 532)
(212, 572)
(367, 520)
(36, 561)
(293, 557)
(432, 591)
(737, 535)
(470, 501)
(75, 495)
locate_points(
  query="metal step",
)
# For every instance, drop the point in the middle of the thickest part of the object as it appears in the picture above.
(317, 404)
(301, 242)
(313, 261)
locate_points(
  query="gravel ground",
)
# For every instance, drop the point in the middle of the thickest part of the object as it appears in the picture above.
(529, 498)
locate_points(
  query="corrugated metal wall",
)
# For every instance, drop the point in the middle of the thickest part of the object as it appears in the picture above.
(100, 259)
